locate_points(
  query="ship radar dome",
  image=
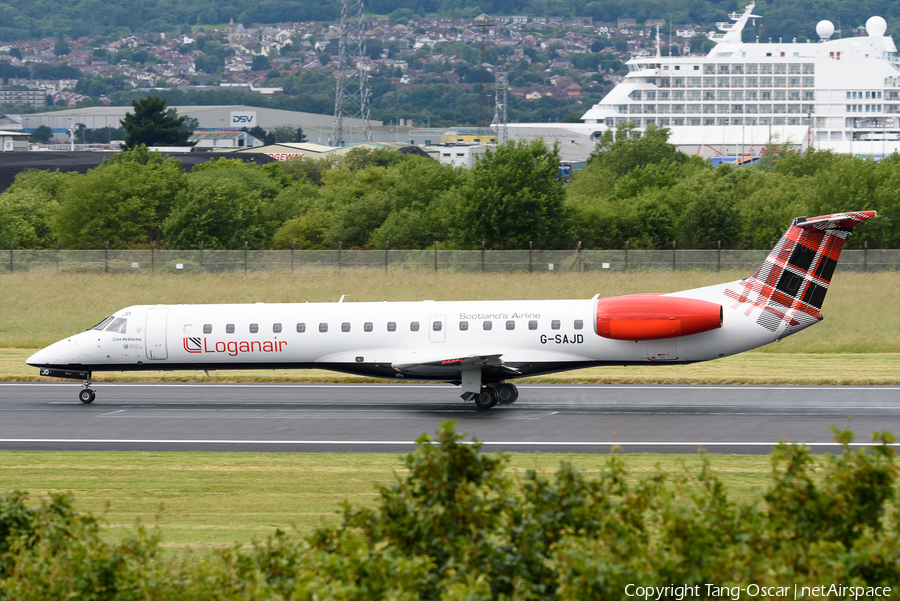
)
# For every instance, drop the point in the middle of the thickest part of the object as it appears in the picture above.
(875, 27)
(825, 29)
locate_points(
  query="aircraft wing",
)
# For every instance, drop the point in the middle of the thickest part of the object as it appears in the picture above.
(452, 367)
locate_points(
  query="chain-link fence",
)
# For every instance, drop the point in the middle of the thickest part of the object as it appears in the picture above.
(399, 261)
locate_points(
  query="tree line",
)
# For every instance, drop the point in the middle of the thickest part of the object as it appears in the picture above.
(641, 192)
(458, 525)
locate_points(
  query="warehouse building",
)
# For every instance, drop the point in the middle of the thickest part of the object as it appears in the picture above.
(233, 117)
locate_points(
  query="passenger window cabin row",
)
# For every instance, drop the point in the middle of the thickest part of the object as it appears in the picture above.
(368, 326)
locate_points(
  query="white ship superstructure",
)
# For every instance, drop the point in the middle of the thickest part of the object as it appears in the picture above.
(837, 94)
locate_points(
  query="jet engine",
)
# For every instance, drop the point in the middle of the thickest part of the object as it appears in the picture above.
(652, 316)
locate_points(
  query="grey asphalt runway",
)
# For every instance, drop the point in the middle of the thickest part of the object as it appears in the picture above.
(388, 418)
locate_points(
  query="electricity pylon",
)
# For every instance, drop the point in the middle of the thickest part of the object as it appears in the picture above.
(351, 96)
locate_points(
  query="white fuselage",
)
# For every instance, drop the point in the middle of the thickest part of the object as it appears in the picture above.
(383, 339)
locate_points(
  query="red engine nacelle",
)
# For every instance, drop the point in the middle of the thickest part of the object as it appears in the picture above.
(651, 316)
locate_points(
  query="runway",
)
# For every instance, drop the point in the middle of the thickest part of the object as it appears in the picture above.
(389, 417)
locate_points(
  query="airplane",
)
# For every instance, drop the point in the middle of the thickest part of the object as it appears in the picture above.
(477, 345)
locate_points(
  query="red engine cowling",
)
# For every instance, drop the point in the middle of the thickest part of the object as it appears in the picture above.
(651, 317)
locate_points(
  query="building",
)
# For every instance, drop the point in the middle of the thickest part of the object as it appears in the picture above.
(223, 140)
(461, 156)
(208, 117)
(291, 150)
(13, 141)
(28, 97)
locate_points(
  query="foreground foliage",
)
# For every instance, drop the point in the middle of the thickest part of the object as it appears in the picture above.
(456, 525)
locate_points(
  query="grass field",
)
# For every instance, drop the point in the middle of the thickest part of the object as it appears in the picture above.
(202, 500)
(860, 309)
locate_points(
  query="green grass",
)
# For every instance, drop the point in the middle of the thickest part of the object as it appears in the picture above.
(860, 309)
(207, 500)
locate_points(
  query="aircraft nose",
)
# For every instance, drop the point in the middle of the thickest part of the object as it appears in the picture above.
(58, 353)
(39, 358)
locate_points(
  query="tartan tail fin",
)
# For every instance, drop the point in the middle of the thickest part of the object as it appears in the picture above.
(791, 283)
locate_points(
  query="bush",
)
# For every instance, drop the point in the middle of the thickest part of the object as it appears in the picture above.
(458, 526)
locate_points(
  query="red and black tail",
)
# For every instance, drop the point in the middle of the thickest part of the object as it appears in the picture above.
(791, 283)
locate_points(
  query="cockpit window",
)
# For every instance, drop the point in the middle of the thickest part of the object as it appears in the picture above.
(118, 325)
(103, 323)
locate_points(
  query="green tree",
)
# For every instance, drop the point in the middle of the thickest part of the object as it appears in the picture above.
(260, 63)
(28, 207)
(511, 198)
(41, 135)
(15, 53)
(124, 201)
(223, 205)
(259, 133)
(622, 152)
(61, 48)
(284, 133)
(150, 125)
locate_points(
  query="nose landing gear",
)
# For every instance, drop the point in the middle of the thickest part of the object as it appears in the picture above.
(87, 394)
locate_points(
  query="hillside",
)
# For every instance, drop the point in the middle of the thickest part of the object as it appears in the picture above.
(26, 19)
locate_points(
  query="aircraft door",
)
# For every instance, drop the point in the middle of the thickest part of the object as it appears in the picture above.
(156, 334)
(437, 328)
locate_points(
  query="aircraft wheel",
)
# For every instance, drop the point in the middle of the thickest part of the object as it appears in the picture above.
(507, 394)
(486, 399)
(86, 396)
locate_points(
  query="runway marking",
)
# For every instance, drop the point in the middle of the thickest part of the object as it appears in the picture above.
(412, 442)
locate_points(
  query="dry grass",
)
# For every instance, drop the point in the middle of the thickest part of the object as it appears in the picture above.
(202, 500)
(40, 309)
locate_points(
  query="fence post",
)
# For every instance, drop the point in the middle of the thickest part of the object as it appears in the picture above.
(201, 255)
(578, 255)
(245, 257)
(719, 256)
(340, 243)
(865, 256)
(626, 255)
(435, 256)
(153, 256)
(11, 244)
(530, 257)
(386, 242)
(673, 255)
(57, 256)
(293, 244)
(106, 257)
(482, 256)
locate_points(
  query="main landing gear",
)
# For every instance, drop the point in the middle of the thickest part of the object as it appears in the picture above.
(490, 395)
(87, 394)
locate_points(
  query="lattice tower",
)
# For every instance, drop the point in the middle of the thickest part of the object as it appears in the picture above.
(351, 96)
(501, 118)
(485, 26)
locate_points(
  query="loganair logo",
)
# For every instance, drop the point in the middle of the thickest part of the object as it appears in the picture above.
(195, 344)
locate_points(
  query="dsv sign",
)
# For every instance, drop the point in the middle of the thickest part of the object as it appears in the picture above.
(243, 118)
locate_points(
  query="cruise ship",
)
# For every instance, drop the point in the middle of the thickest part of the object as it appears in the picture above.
(837, 94)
